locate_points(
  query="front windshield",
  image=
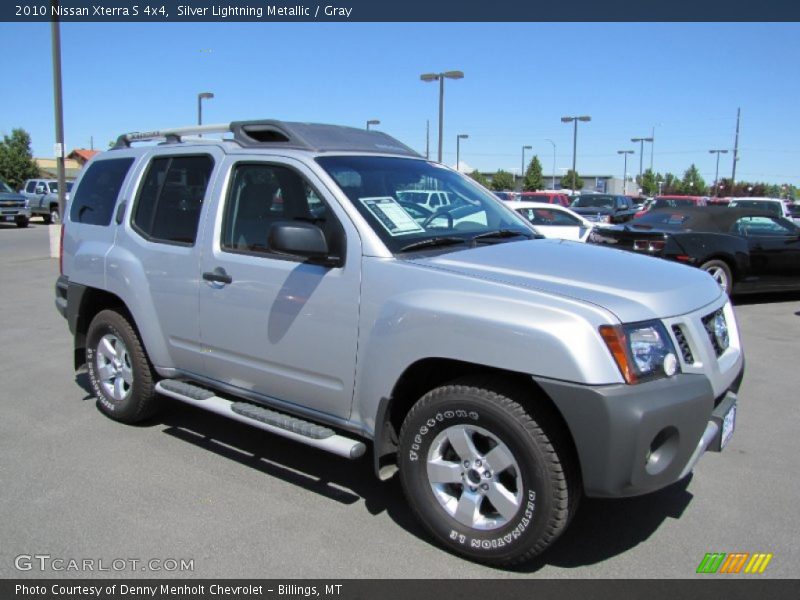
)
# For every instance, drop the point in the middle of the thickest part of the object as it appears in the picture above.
(4, 188)
(595, 201)
(414, 204)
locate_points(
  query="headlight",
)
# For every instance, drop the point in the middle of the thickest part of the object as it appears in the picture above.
(642, 351)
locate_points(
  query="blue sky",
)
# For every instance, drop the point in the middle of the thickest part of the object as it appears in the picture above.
(687, 80)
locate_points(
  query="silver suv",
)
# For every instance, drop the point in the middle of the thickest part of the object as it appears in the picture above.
(276, 278)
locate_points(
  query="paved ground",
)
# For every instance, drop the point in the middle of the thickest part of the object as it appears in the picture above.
(245, 504)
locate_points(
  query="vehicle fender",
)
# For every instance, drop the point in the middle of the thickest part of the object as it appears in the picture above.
(702, 247)
(126, 278)
(404, 321)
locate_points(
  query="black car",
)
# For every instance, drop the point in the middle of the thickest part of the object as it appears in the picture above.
(745, 250)
(604, 208)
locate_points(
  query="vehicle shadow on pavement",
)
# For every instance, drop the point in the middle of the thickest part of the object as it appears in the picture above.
(767, 298)
(600, 530)
(336, 478)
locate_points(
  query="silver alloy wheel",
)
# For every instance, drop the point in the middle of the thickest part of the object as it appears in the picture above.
(54, 216)
(114, 367)
(720, 276)
(475, 477)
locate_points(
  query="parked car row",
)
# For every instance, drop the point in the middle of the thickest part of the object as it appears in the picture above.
(743, 248)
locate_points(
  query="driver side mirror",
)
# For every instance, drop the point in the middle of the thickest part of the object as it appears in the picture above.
(301, 239)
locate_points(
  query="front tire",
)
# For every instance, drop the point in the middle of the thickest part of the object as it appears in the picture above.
(490, 479)
(22, 221)
(120, 373)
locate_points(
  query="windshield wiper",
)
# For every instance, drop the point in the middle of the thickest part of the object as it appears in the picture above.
(432, 243)
(498, 234)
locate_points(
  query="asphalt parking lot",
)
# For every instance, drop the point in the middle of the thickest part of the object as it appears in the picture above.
(241, 503)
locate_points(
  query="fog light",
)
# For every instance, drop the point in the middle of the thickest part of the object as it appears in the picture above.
(670, 365)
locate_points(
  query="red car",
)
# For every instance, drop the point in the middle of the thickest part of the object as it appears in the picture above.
(547, 197)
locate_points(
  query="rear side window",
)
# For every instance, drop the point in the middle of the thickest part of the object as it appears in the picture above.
(94, 200)
(171, 197)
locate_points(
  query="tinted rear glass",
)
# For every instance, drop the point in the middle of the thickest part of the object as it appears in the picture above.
(94, 200)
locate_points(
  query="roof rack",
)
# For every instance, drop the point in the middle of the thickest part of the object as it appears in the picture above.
(315, 137)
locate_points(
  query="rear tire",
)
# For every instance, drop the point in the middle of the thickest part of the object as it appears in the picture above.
(120, 373)
(721, 273)
(492, 480)
(47, 219)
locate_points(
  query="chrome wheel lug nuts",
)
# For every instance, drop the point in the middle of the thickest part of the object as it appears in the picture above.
(485, 487)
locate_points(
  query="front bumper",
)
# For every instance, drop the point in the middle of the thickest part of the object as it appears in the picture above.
(632, 440)
(12, 214)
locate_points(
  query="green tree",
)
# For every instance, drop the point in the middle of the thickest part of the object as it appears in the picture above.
(533, 180)
(566, 180)
(16, 159)
(692, 183)
(670, 185)
(502, 180)
(480, 178)
(648, 182)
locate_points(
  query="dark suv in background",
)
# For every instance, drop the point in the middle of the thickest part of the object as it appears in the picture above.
(604, 208)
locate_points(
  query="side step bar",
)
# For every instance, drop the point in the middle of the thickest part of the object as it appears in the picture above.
(287, 426)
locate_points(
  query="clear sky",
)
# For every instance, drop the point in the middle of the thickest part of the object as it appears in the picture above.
(687, 80)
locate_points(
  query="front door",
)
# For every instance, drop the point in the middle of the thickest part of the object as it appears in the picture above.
(271, 324)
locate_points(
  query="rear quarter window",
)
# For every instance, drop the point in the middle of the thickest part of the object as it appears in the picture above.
(94, 199)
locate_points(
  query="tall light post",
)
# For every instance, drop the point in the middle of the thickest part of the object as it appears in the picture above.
(641, 142)
(716, 174)
(575, 120)
(523, 161)
(553, 181)
(440, 77)
(55, 41)
(200, 97)
(372, 122)
(625, 170)
(459, 137)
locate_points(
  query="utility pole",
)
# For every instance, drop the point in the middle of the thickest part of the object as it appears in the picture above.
(55, 33)
(735, 149)
(428, 139)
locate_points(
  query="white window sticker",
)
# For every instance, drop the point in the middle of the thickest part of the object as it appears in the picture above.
(391, 215)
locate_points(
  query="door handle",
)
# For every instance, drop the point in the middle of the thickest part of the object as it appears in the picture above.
(218, 275)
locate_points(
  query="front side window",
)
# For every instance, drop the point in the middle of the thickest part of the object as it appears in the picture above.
(95, 198)
(552, 217)
(31, 187)
(383, 190)
(171, 197)
(261, 194)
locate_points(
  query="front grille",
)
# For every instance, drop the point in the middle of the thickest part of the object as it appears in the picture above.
(11, 204)
(708, 324)
(683, 345)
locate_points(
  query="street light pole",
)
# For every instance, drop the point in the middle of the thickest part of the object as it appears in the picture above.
(625, 170)
(200, 97)
(55, 33)
(372, 122)
(440, 77)
(522, 171)
(459, 137)
(553, 182)
(716, 174)
(575, 143)
(641, 142)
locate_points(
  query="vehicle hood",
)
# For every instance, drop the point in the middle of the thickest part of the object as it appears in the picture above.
(633, 287)
(11, 196)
